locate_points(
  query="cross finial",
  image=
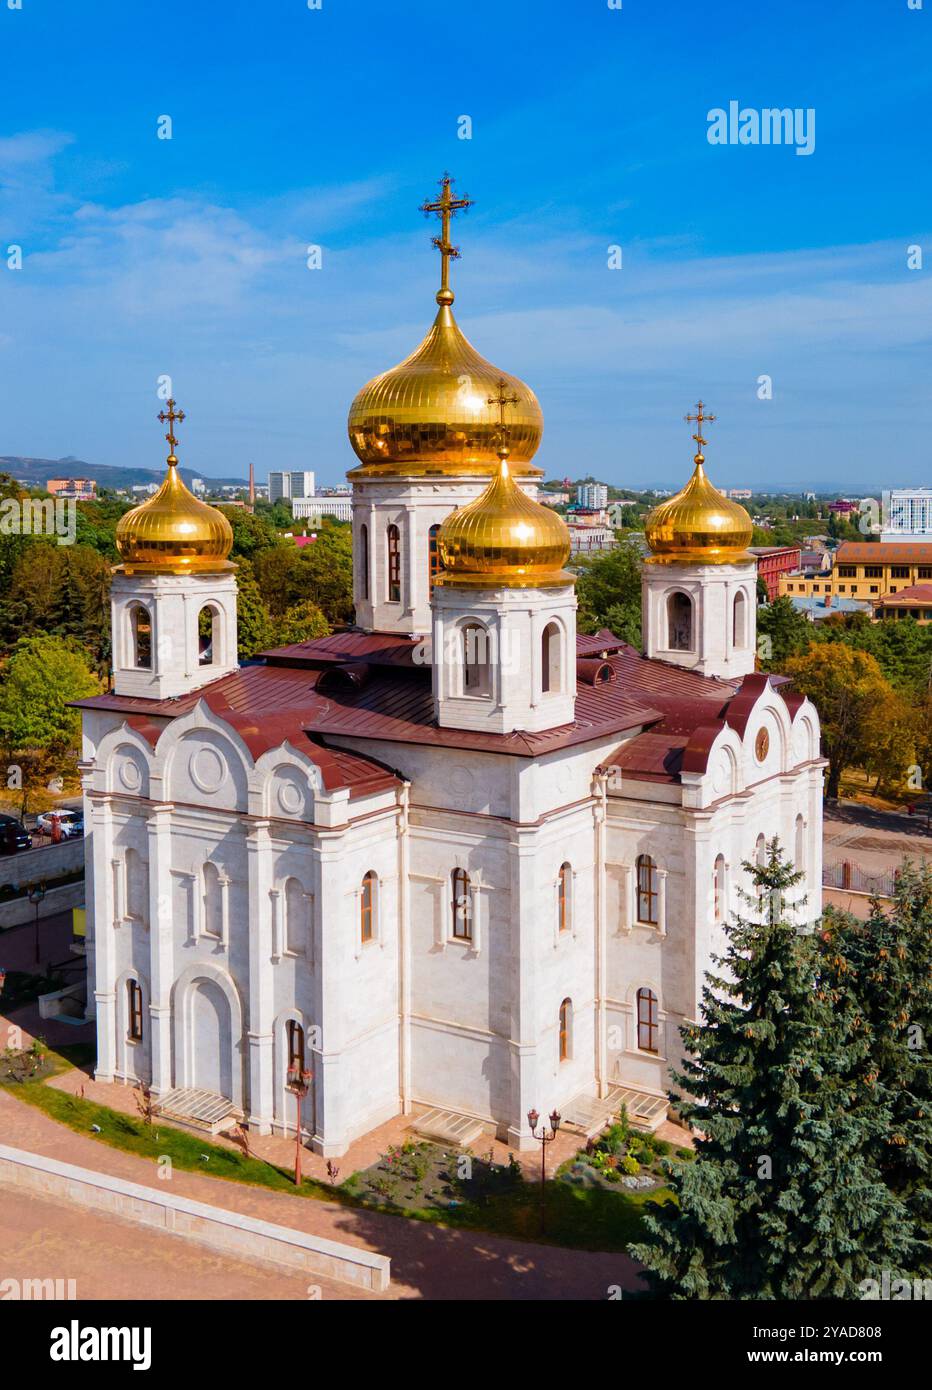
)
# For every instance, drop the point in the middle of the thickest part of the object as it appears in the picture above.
(501, 400)
(171, 415)
(699, 418)
(445, 207)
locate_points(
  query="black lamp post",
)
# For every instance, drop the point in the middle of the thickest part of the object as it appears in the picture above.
(36, 894)
(543, 1139)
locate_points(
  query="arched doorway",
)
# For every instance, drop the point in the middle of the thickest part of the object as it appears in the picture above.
(211, 1039)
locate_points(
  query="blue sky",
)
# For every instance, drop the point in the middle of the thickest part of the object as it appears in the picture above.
(294, 127)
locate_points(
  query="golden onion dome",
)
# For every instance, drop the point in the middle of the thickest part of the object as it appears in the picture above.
(503, 539)
(173, 532)
(700, 525)
(433, 413)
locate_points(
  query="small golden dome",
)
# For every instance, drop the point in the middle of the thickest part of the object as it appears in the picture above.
(503, 539)
(173, 532)
(699, 525)
(432, 413)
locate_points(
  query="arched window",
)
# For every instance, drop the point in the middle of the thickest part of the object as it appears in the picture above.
(566, 1030)
(550, 659)
(648, 1023)
(367, 906)
(213, 903)
(394, 564)
(647, 890)
(800, 860)
(295, 1034)
(739, 627)
(718, 888)
(679, 622)
(208, 635)
(461, 905)
(476, 665)
(133, 1011)
(433, 556)
(564, 886)
(137, 887)
(760, 852)
(140, 631)
(364, 561)
(296, 924)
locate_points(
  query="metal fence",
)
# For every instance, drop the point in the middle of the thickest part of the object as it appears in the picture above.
(853, 879)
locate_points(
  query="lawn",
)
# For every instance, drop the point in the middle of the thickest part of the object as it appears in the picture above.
(417, 1180)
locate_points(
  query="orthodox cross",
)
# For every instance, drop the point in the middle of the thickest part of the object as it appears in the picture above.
(171, 415)
(698, 419)
(445, 207)
(501, 400)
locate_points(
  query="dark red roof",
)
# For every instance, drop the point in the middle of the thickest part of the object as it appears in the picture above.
(373, 687)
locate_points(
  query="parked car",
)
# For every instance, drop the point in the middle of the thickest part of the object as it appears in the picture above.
(13, 835)
(71, 822)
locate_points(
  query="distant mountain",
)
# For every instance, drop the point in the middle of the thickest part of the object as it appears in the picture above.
(36, 472)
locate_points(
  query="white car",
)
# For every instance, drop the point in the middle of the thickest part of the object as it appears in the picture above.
(72, 822)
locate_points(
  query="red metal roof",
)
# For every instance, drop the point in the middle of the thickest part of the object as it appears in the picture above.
(884, 553)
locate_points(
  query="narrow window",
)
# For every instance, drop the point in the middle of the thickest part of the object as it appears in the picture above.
(394, 565)
(208, 635)
(718, 888)
(648, 1027)
(213, 905)
(364, 561)
(367, 906)
(550, 659)
(739, 637)
(295, 1046)
(563, 896)
(476, 670)
(760, 852)
(800, 864)
(433, 556)
(141, 637)
(647, 890)
(134, 1010)
(296, 925)
(679, 622)
(566, 1030)
(462, 915)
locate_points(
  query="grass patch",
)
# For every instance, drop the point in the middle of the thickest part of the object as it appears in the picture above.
(589, 1218)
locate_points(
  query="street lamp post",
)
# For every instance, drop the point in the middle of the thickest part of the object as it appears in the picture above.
(543, 1139)
(36, 894)
(298, 1084)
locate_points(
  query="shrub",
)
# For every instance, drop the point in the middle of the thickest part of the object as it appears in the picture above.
(630, 1165)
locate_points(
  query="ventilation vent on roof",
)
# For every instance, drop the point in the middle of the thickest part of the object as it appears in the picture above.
(352, 676)
(592, 671)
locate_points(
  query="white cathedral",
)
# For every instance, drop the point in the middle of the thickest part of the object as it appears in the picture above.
(457, 858)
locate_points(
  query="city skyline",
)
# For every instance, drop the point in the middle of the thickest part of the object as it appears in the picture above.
(187, 256)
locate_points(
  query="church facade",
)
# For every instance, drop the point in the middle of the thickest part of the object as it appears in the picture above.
(458, 856)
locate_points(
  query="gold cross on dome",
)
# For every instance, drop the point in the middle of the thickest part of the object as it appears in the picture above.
(171, 415)
(445, 207)
(698, 419)
(501, 400)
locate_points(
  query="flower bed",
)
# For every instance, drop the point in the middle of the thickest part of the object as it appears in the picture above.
(621, 1157)
(418, 1176)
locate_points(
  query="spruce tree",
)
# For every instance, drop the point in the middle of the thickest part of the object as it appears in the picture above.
(884, 967)
(783, 1198)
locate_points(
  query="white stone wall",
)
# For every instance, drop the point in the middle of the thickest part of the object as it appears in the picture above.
(712, 590)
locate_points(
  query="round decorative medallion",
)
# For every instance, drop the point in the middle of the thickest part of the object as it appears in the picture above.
(761, 745)
(207, 769)
(290, 798)
(130, 775)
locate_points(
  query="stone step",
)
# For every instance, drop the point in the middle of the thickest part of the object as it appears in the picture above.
(205, 1112)
(447, 1127)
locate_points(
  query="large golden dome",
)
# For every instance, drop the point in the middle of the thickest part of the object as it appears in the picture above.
(173, 532)
(699, 526)
(432, 413)
(503, 538)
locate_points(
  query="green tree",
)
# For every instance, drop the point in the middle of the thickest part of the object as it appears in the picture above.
(252, 532)
(39, 730)
(608, 590)
(784, 1199)
(848, 688)
(301, 623)
(785, 632)
(254, 626)
(884, 965)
